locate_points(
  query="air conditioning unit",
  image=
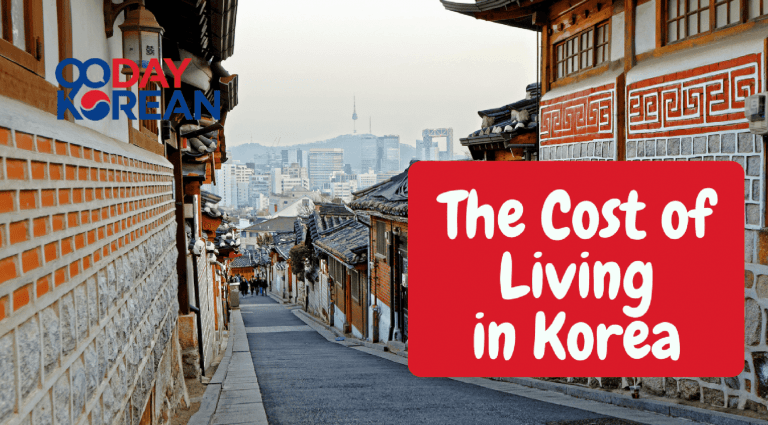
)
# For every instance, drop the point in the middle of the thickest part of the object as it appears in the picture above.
(754, 110)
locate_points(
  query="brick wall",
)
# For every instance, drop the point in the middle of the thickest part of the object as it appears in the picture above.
(88, 285)
(380, 275)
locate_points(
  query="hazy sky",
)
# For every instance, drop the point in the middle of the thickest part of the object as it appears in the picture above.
(411, 64)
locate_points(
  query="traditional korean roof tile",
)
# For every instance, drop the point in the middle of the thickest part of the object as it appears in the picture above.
(198, 145)
(389, 197)
(347, 243)
(503, 123)
(244, 260)
(300, 229)
(209, 206)
(282, 242)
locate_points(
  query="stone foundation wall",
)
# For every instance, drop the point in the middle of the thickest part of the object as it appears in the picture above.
(581, 151)
(88, 284)
(749, 389)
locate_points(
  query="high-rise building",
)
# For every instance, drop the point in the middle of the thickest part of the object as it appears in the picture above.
(388, 154)
(293, 156)
(285, 179)
(365, 180)
(322, 163)
(232, 184)
(369, 149)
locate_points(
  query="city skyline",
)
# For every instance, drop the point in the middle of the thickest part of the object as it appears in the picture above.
(438, 75)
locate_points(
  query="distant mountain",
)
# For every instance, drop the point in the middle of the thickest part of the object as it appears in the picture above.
(351, 144)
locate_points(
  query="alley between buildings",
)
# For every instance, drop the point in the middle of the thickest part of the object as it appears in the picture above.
(305, 378)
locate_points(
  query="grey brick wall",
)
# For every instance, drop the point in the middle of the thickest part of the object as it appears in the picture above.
(743, 148)
(582, 151)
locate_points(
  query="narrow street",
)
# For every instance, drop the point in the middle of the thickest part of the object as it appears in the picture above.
(305, 378)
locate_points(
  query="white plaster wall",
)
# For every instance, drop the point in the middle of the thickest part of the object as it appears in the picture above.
(383, 322)
(356, 333)
(617, 36)
(50, 40)
(608, 77)
(338, 318)
(730, 48)
(645, 27)
(89, 41)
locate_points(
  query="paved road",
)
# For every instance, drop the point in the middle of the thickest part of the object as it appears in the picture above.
(305, 379)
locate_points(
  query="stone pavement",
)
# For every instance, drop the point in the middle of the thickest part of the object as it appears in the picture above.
(233, 395)
(285, 367)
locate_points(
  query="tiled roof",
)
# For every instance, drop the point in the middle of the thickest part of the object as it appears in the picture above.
(509, 120)
(320, 224)
(346, 242)
(277, 224)
(300, 229)
(331, 209)
(282, 242)
(242, 261)
(389, 197)
(209, 206)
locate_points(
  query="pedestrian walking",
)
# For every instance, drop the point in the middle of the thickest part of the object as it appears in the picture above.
(263, 287)
(253, 286)
(243, 288)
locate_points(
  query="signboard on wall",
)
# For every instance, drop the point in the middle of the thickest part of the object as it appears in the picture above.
(576, 269)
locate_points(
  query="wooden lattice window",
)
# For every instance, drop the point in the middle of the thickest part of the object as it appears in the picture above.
(584, 50)
(21, 33)
(381, 238)
(337, 272)
(688, 18)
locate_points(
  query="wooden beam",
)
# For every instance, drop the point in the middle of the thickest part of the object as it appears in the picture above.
(620, 119)
(546, 54)
(661, 24)
(181, 238)
(503, 15)
(629, 34)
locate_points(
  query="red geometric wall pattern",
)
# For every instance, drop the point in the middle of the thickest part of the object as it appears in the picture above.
(704, 99)
(578, 117)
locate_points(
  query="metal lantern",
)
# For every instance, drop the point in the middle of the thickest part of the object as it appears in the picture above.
(142, 38)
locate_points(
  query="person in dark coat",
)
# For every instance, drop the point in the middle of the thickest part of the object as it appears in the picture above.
(244, 285)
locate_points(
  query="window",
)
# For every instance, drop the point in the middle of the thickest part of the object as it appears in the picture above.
(687, 18)
(21, 33)
(381, 238)
(585, 50)
(337, 272)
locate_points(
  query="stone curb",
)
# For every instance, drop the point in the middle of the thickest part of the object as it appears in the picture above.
(213, 390)
(238, 343)
(655, 406)
(349, 340)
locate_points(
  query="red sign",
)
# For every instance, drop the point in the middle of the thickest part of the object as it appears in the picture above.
(578, 269)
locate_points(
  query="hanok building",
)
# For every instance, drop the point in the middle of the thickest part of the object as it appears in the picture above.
(281, 273)
(387, 205)
(337, 292)
(661, 80)
(314, 289)
(508, 133)
(92, 287)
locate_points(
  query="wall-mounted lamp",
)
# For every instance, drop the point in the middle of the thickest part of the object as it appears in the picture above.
(142, 38)
(142, 35)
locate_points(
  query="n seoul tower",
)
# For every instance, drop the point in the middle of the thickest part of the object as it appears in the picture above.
(354, 116)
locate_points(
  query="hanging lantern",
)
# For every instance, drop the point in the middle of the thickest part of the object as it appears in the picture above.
(142, 39)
